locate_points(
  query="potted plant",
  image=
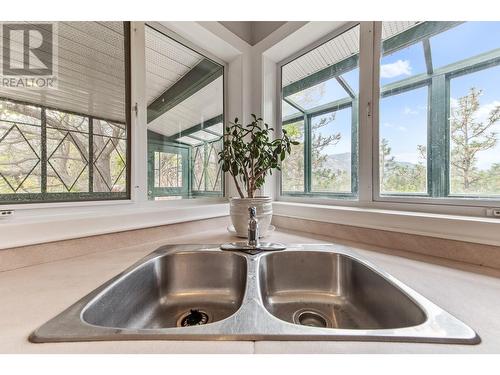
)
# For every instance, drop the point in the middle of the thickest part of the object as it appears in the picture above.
(249, 154)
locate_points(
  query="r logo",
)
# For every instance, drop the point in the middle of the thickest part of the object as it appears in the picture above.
(27, 49)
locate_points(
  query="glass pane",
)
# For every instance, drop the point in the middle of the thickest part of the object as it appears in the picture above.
(195, 86)
(288, 110)
(213, 167)
(20, 148)
(331, 152)
(110, 129)
(19, 113)
(198, 168)
(475, 134)
(352, 79)
(464, 41)
(217, 128)
(322, 93)
(189, 141)
(205, 136)
(20, 162)
(67, 161)
(292, 169)
(325, 83)
(109, 164)
(169, 173)
(67, 152)
(55, 106)
(402, 64)
(403, 142)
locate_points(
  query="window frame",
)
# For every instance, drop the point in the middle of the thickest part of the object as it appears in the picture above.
(368, 137)
(156, 145)
(163, 29)
(438, 127)
(308, 114)
(41, 198)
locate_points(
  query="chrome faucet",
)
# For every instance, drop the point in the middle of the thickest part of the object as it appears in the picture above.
(253, 228)
(253, 244)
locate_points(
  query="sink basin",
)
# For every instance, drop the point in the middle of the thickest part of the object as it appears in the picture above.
(332, 290)
(306, 292)
(162, 292)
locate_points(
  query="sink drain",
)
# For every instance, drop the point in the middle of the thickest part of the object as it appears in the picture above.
(193, 317)
(310, 318)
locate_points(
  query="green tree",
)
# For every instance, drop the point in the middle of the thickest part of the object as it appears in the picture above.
(399, 177)
(324, 177)
(468, 137)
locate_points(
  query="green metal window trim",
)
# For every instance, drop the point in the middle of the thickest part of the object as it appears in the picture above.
(208, 148)
(306, 116)
(48, 197)
(438, 83)
(44, 160)
(158, 142)
(205, 72)
(438, 123)
(201, 126)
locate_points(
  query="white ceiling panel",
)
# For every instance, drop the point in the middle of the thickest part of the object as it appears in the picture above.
(391, 28)
(204, 105)
(90, 70)
(334, 51)
(166, 62)
(329, 53)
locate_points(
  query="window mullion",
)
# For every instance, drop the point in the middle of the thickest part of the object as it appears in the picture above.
(307, 153)
(354, 146)
(367, 105)
(91, 155)
(43, 143)
(437, 138)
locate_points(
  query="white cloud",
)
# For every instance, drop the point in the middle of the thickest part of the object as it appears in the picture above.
(483, 113)
(392, 126)
(408, 157)
(408, 111)
(398, 68)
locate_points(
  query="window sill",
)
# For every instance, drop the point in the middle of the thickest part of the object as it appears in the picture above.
(457, 227)
(47, 224)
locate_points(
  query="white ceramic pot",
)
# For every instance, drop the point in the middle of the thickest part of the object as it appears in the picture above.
(239, 213)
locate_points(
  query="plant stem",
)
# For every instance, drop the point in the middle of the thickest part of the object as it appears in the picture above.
(238, 186)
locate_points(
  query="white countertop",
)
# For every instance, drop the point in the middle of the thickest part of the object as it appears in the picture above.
(32, 295)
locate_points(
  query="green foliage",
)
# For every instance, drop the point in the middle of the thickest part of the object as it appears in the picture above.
(249, 153)
(324, 177)
(293, 166)
(469, 137)
(397, 177)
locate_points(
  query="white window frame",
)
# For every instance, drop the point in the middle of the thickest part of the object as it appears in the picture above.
(368, 137)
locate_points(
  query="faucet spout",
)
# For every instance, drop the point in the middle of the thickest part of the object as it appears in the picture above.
(253, 245)
(253, 228)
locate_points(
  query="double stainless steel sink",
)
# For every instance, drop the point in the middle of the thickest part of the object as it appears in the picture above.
(306, 292)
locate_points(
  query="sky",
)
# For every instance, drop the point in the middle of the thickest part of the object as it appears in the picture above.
(403, 117)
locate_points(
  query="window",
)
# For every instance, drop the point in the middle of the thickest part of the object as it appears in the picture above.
(70, 142)
(319, 110)
(167, 170)
(185, 99)
(439, 122)
(436, 136)
(206, 172)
